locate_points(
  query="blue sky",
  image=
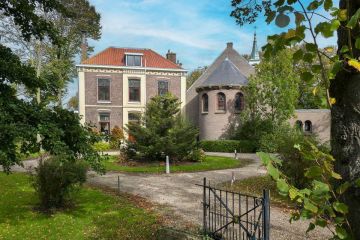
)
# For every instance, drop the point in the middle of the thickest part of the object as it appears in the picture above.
(197, 30)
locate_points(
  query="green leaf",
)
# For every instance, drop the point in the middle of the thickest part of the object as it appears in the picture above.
(311, 227)
(336, 175)
(341, 232)
(309, 206)
(328, 4)
(297, 56)
(274, 172)
(282, 186)
(299, 18)
(311, 47)
(270, 16)
(308, 57)
(341, 207)
(335, 24)
(354, 20)
(342, 15)
(313, 5)
(313, 172)
(343, 187)
(265, 157)
(321, 222)
(293, 193)
(320, 188)
(344, 49)
(357, 43)
(306, 76)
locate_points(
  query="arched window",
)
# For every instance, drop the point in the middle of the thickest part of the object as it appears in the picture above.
(308, 126)
(221, 101)
(239, 102)
(205, 103)
(299, 125)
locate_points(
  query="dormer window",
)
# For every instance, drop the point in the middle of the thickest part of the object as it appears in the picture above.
(133, 59)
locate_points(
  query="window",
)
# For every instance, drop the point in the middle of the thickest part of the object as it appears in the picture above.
(221, 101)
(134, 90)
(239, 102)
(103, 89)
(134, 117)
(163, 87)
(205, 103)
(104, 122)
(299, 125)
(133, 60)
(308, 126)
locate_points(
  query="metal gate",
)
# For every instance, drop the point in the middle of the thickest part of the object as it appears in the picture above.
(229, 215)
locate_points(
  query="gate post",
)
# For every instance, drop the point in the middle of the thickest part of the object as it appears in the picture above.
(266, 215)
(204, 206)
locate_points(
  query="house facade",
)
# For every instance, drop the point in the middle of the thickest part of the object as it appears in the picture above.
(116, 84)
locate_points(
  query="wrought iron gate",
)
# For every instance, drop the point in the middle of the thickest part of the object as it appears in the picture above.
(236, 216)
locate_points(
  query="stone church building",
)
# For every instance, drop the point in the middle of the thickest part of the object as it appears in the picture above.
(215, 100)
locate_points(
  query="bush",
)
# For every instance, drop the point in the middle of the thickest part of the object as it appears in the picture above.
(243, 146)
(197, 155)
(116, 137)
(101, 146)
(56, 179)
(282, 142)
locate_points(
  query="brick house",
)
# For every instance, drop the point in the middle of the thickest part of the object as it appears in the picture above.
(116, 84)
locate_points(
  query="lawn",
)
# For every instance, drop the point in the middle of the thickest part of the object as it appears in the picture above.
(255, 185)
(209, 163)
(96, 215)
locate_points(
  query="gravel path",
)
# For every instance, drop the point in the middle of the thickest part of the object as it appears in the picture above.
(178, 193)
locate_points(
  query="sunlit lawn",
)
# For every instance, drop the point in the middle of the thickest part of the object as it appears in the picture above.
(96, 215)
(210, 163)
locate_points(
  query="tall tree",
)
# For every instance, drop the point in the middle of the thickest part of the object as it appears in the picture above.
(194, 75)
(55, 61)
(342, 84)
(22, 119)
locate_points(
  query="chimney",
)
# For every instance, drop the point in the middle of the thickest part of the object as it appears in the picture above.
(229, 45)
(171, 56)
(84, 47)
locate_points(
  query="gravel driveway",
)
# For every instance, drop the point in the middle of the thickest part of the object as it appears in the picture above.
(178, 193)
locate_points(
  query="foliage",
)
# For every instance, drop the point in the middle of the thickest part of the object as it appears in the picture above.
(162, 132)
(282, 142)
(197, 155)
(28, 123)
(73, 102)
(340, 83)
(241, 146)
(273, 91)
(320, 200)
(209, 163)
(101, 146)
(56, 179)
(116, 137)
(55, 62)
(252, 129)
(95, 215)
(194, 75)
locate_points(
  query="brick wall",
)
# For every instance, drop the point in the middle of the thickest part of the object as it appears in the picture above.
(152, 85)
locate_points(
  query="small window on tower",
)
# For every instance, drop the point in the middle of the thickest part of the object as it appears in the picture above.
(221, 102)
(239, 102)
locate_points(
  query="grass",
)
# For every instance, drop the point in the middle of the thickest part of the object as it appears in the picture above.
(96, 215)
(255, 185)
(29, 156)
(209, 163)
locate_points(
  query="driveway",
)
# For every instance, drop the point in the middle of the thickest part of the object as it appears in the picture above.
(177, 193)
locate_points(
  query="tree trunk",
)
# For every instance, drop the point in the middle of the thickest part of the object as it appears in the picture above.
(345, 122)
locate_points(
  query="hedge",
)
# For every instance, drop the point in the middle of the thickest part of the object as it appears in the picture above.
(242, 146)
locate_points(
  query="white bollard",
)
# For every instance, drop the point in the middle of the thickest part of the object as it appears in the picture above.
(167, 165)
(235, 153)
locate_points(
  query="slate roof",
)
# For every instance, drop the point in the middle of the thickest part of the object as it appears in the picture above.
(226, 74)
(116, 57)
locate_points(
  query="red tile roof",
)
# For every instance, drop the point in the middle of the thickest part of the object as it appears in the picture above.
(116, 57)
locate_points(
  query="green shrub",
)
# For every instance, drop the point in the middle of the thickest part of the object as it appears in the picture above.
(282, 142)
(56, 179)
(116, 137)
(243, 146)
(101, 146)
(197, 155)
